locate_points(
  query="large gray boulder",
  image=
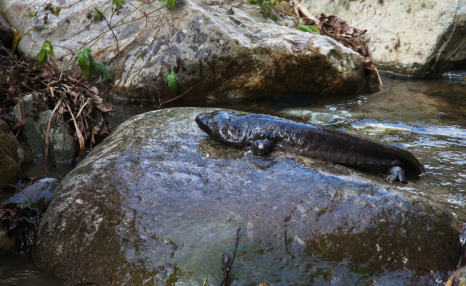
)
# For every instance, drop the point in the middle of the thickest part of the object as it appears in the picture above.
(215, 51)
(158, 202)
(422, 38)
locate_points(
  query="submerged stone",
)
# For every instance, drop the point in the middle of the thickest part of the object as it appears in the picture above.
(158, 202)
(39, 194)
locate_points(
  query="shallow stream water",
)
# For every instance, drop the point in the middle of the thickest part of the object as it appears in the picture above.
(427, 118)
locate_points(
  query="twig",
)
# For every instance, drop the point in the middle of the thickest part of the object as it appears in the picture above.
(227, 263)
(69, 6)
(62, 132)
(93, 41)
(111, 29)
(47, 138)
(174, 98)
(4, 48)
(82, 107)
(27, 197)
(16, 38)
(236, 246)
(63, 48)
(286, 245)
(78, 132)
(19, 110)
(378, 76)
(205, 279)
(294, 5)
(306, 13)
(375, 11)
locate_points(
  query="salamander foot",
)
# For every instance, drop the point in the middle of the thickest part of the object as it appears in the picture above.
(397, 174)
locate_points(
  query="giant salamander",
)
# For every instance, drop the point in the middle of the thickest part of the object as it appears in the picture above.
(264, 133)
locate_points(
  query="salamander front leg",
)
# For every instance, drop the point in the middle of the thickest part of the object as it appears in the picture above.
(397, 174)
(261, 147)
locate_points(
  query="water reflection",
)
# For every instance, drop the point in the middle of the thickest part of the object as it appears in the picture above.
(19, 270)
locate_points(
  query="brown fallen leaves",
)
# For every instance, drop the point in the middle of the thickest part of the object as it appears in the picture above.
(76, 104)
(350, 37)
(331, 26)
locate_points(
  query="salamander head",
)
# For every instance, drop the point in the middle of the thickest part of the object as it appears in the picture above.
(213, 123)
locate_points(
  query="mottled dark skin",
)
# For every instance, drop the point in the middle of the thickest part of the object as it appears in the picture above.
(264, 133)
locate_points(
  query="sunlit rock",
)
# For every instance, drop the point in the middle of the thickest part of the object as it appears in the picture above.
(217, 50)
(421, 38)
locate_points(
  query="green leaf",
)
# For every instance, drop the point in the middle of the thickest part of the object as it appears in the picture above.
(118, 3)
(171, 79)
(170, 4)
(31, 15)
(42, 57)
(103, 70)
(84, 63)
(274, 18)
(47, 49)
(94, 68)
(141, 54)
(266, 8)
(89, 66)
(309, 28)
(56, 11)
(253, 2)
(87, 52)
(97, 16)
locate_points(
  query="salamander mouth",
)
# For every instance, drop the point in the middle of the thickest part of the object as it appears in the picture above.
(204, 123)
(212, 122)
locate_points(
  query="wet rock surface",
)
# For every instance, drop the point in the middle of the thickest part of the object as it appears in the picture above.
(19, 270)
(216, 50)
(158, 202)
(39, 194)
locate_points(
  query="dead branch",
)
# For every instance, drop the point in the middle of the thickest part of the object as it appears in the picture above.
(111, 29)
(78, 132)
(306, 13)
(227, 263)
(47, 137)
(175, 97)
(286, 245)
